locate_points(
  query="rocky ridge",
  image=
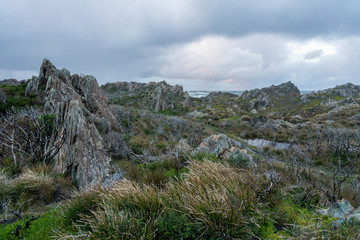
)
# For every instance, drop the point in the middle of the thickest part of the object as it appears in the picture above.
(151, 96)
(260, 99)
(81, 107)
(345, 94)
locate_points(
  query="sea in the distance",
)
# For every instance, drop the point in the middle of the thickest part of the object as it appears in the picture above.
(199, 94)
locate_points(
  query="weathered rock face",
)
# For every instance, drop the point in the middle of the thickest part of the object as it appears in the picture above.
(260, 99)
(152, 96)
(224, 148)
(2, 96)
(82, 108)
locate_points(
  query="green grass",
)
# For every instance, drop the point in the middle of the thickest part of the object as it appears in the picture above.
(39, 229)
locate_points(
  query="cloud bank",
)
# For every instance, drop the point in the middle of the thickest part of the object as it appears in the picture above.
(202, 45)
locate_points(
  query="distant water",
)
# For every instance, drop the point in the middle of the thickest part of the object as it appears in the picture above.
(199, 94)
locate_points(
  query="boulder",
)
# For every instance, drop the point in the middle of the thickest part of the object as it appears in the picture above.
(239, 156)
(81, 107)
(340, 209)
(343, 211)
(224, 148)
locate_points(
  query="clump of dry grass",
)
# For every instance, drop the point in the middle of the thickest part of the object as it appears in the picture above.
(37, 182)
(4, 177)
(211, 195)
(36, 185)
(4, 183)
(215, 196)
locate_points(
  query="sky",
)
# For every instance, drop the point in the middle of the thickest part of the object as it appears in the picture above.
(225, 45)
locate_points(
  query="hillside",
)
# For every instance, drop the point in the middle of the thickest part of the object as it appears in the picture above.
(133, 160)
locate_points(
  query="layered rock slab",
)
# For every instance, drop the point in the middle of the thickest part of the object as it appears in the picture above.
(82, 109)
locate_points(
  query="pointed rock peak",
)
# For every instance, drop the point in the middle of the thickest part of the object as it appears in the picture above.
(36, 83)
(47, 69)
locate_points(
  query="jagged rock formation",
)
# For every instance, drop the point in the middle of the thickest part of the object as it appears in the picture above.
(152, 96)
(2, 96)
(81, 107)
(224, 148)
(260, 99)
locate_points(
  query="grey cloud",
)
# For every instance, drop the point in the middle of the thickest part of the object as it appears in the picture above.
(118, 40)
(313, 54)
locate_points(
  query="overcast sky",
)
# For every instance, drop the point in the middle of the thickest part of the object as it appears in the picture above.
(200, 44)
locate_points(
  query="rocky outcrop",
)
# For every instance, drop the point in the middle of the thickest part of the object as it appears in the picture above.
(260, 99)
(2, 96)
(348, 90)
(224, 148)
(81, 107)
(152, 96)
(343, 211)
(334, 97)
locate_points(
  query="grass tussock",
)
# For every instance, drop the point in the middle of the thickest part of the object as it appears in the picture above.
(214, 196)
(34, 186)
(37, 182)
(211, 201)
